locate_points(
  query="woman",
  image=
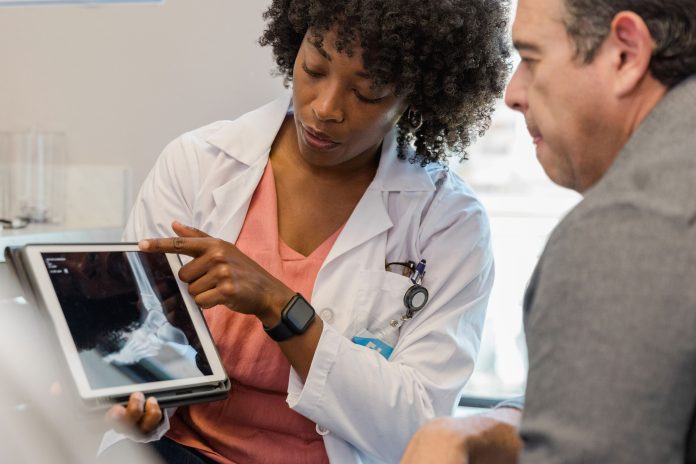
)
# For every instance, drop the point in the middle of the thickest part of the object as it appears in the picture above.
(319, 192)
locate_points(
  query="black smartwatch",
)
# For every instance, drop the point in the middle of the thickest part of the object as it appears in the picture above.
(295, 319)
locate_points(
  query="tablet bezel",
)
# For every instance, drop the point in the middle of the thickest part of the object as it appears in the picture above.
(48, 298)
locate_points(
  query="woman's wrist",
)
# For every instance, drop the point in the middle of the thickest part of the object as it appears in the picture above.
(275, 302)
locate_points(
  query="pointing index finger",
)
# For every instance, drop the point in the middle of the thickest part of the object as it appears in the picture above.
(190, 246)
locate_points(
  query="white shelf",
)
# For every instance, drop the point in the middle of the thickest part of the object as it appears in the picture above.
(48, 233)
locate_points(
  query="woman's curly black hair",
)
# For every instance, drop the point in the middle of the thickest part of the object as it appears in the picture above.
(449, 58)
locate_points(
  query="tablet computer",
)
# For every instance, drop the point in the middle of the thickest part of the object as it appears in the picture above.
(124, 322)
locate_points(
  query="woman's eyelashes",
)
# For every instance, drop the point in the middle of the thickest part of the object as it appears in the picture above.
(310, 72)
(365, 99)
(314, 74)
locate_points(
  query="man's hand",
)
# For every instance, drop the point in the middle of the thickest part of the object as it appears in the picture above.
(489, 438)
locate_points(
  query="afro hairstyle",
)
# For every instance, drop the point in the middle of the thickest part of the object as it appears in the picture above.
(448, 58)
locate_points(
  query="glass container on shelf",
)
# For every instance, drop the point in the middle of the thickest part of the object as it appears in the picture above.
(37, 165)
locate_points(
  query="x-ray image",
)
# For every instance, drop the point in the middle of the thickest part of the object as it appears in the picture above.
(126, 316)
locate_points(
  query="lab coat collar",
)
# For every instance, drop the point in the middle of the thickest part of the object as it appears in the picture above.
(249, 140)
(397, 175)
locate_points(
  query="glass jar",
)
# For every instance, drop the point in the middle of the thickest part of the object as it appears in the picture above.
(37, 176)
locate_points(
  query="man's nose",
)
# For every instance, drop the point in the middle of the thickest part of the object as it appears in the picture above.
(516, 93)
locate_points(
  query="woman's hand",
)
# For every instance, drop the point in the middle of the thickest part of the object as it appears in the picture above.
(221, 274)
(137, 416)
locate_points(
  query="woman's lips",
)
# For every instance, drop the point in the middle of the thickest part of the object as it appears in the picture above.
(316, 141)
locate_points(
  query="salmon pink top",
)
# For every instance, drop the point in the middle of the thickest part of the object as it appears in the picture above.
(255, 424)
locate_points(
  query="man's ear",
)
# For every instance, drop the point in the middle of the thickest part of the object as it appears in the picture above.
(632, 46)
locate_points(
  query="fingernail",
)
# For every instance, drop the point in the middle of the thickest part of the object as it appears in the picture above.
(152, 400)
(144, 244)
(140, 397)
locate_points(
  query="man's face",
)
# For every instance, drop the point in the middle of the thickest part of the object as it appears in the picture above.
(564, 101)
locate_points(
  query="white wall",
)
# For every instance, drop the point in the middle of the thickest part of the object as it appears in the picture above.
(123, 80)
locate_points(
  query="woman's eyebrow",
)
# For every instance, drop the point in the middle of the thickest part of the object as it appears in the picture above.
(321, 51)
(325, 54)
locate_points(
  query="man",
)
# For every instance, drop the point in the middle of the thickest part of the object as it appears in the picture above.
(608, 92)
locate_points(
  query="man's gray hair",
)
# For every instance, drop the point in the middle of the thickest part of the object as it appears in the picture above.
(672, 24)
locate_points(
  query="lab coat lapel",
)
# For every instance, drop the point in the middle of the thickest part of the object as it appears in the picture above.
(247, 142)
(232, 201)
(371, 217)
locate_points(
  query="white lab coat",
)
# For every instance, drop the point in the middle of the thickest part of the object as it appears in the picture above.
(367, 407)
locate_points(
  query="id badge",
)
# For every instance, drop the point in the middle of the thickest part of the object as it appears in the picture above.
(370, 340)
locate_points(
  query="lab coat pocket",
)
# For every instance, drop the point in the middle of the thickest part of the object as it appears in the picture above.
(379, 300)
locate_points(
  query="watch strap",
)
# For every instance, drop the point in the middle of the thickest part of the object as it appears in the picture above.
(282, 331)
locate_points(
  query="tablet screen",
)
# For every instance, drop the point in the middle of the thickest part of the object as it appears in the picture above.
(126, 317)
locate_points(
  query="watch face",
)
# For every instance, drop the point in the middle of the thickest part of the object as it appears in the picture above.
(299, 315)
